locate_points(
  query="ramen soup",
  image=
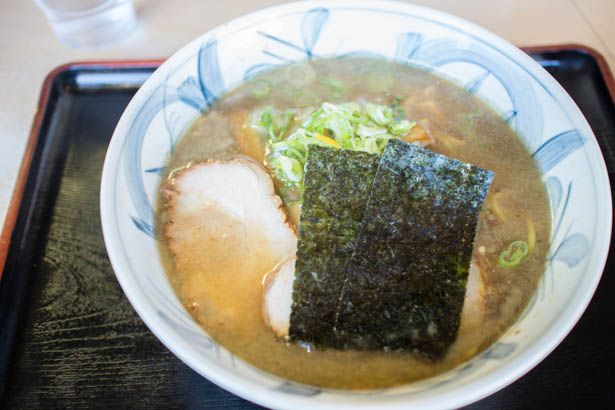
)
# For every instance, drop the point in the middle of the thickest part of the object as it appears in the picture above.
(231, 206)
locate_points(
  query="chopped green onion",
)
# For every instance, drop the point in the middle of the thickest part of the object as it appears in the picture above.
(291, 168)
(260, 89)
(300, 74)
(398, 112)
(380, 114)
(402, 128)
(349, 125)
(275, 123)
(513, 255)
(365, 131)
(336, 87)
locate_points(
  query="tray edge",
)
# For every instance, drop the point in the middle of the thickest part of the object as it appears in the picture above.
(33, 137)
(603, 65)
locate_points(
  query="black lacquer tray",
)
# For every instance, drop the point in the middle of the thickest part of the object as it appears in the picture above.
(69, 338)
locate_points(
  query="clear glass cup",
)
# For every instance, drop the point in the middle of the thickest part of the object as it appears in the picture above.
(89, 23)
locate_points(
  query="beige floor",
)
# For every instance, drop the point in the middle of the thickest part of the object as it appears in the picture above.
(28, 50)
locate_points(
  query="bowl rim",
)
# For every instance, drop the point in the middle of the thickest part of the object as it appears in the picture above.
(254, 391)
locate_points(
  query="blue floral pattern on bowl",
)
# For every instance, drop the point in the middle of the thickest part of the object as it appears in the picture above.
(551, 127)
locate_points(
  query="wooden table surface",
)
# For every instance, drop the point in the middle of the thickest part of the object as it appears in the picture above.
(29, 50)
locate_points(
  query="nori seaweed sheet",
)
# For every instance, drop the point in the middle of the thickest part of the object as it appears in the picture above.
(407, 276)
(336, 187)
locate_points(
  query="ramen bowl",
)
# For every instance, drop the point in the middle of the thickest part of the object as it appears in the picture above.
(548, 121)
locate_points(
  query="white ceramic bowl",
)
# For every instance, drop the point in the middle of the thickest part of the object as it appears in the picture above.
(549, 122)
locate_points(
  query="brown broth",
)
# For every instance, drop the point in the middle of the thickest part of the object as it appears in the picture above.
(463, 127)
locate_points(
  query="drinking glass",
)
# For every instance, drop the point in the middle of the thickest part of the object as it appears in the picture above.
(89, 23)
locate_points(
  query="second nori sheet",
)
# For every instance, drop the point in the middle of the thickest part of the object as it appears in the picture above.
(406, 279)
(336, 187)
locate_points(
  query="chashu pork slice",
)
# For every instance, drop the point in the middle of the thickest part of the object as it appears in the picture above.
(225, 226)
(278, 297)
(473, 312)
